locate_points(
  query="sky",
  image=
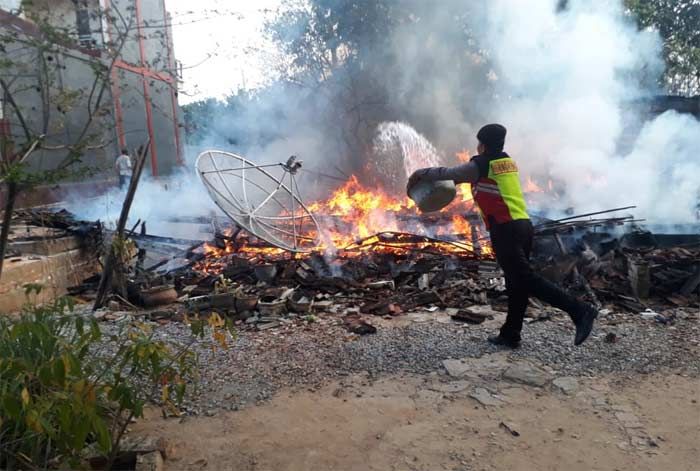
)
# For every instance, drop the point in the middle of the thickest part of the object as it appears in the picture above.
(220, 45)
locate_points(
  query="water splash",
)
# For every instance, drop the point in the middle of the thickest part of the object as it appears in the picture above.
(399, 150)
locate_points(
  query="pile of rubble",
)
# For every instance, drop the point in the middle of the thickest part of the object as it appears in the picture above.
(396, 273)
(378, 283)
(262, 292)
(632, 271)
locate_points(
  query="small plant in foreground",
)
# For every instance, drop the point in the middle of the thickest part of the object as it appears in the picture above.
(65, 385)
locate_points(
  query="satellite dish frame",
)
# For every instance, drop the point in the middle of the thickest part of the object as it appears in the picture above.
(290, 167)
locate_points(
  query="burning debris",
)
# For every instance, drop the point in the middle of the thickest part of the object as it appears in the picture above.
(269, 207)
(362, 252)
(413, 262)
(391, 273)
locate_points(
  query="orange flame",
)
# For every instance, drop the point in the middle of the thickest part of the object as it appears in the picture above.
(532, 187)
(463, 156)
(355, 212)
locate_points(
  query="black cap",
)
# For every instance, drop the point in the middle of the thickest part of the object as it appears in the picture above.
(493, 136)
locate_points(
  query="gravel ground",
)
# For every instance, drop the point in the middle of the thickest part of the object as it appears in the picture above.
(258, 364)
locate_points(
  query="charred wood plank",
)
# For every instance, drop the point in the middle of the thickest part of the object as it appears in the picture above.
(692, 283)
(640, 279)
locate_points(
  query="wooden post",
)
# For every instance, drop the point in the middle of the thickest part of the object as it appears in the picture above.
(640, 280)
(109, 266)
(12, 190)
(476, 245)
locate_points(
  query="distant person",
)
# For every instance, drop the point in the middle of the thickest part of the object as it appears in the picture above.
(124, 169)
(495, 183)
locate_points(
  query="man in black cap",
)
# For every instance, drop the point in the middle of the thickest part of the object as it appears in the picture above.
(495, 184)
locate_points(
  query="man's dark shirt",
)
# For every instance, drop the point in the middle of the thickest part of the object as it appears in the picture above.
(470, 172)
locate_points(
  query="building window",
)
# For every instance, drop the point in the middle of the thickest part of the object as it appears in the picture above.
(85, 36)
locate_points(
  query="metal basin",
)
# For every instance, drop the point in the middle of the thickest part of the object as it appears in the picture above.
(432, 196)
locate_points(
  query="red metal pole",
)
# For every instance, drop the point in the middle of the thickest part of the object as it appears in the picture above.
(173, 85)
(146, 91)
(143, 71)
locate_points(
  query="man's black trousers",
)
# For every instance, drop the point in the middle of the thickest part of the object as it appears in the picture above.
(512, 243)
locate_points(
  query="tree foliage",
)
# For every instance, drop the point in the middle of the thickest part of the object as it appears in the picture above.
(373, 61)
(69, 388)
(678, 23)
(347, 65)
(233, 120)
(65, 386)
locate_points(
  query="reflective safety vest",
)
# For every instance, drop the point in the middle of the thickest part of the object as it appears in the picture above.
(499, 195)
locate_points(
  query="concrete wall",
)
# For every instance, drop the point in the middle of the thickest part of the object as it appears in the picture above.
(56, 273)
(132, 102)
(155, 54)
(157, 37)
(71, 76)
(52, 92)
(127, 25)
(157, 44)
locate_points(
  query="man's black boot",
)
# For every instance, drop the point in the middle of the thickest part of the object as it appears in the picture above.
(585, 317)
(503, 342)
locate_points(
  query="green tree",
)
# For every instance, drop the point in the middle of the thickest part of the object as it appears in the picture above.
(228, 120)
(368, 61)
(678, 23)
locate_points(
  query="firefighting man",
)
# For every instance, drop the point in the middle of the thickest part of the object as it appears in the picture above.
(495, 184)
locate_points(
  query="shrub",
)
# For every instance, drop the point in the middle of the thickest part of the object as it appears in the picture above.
(65, 385)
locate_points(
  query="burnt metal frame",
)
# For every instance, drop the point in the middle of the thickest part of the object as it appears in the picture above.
(247, 217)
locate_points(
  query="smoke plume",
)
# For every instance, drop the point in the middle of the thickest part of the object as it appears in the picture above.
(562, 80)
(565, 78)
(569, 76)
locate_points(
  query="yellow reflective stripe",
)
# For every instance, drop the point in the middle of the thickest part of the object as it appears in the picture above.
(505, 173)
(501, 166)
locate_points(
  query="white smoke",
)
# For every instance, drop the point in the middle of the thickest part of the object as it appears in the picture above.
(662, 172)
(561, 79)
(156, 201)
(565, 78)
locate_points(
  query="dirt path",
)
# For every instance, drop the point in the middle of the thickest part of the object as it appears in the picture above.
(432, 422)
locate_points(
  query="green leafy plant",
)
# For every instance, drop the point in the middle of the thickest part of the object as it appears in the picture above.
(65, 385)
